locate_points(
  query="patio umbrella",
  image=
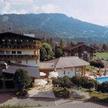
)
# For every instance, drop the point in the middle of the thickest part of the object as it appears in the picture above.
(53, 74)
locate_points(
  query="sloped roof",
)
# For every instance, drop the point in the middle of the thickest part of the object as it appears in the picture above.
(33, 71)
(63, 62)
(16, 35)
(72, 61)
(77, 46)
(46, 65)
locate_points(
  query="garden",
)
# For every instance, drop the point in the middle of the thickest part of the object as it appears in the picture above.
(64, 87)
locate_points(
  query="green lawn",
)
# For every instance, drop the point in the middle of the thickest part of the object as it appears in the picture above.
(8, 106)
(99, 97)
(102, 55)
(12, 107)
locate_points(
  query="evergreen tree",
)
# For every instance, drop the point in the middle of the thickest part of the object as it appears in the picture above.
(22, 79)
(46, 52)
(61, 43)
(43, 54)
(58, 52)
(104, 47)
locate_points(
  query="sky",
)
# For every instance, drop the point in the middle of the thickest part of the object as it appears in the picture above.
(93, 11)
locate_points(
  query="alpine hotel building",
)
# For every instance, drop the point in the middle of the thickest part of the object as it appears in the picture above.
(19, 49)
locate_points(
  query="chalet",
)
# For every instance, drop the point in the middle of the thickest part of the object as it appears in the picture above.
(81, 50)
(65, 66)
(19, 51)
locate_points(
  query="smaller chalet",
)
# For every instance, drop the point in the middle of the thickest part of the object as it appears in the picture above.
(65, 66)
(81, 50)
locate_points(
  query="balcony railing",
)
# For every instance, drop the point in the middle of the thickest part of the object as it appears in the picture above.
(15, 57)
(20, 46)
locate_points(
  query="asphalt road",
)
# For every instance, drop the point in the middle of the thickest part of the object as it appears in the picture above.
(77, 105)
(9, 99)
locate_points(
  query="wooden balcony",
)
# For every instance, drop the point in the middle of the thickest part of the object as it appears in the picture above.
(19, 46)
(17, 57)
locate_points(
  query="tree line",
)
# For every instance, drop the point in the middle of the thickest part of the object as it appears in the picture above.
(50, 50)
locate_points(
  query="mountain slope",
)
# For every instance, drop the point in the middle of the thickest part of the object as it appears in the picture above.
(58, 25)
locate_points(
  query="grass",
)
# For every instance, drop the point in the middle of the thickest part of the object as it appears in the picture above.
(12, 107)
(101, 55)
(99, 97)
(8, 106)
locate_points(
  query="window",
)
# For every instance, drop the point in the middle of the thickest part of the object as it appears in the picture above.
(19, 52)
(64, 72)
(2, 52)
(26, 61)
(13, 52)
(19, 61)
(7, 52)
(76, 54)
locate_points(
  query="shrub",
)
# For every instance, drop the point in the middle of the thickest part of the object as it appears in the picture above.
(98, 64)
(61, 92)
(89, 84)
(58, 52)
(67, 82)
(103, 87)
(63, 82)
(57, 82)
(22, 80)
(76, 80)
(22, 93)
(98, 87)
(95, 83)
(84, 82)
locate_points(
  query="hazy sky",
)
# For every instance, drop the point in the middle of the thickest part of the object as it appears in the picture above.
(95, 11)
